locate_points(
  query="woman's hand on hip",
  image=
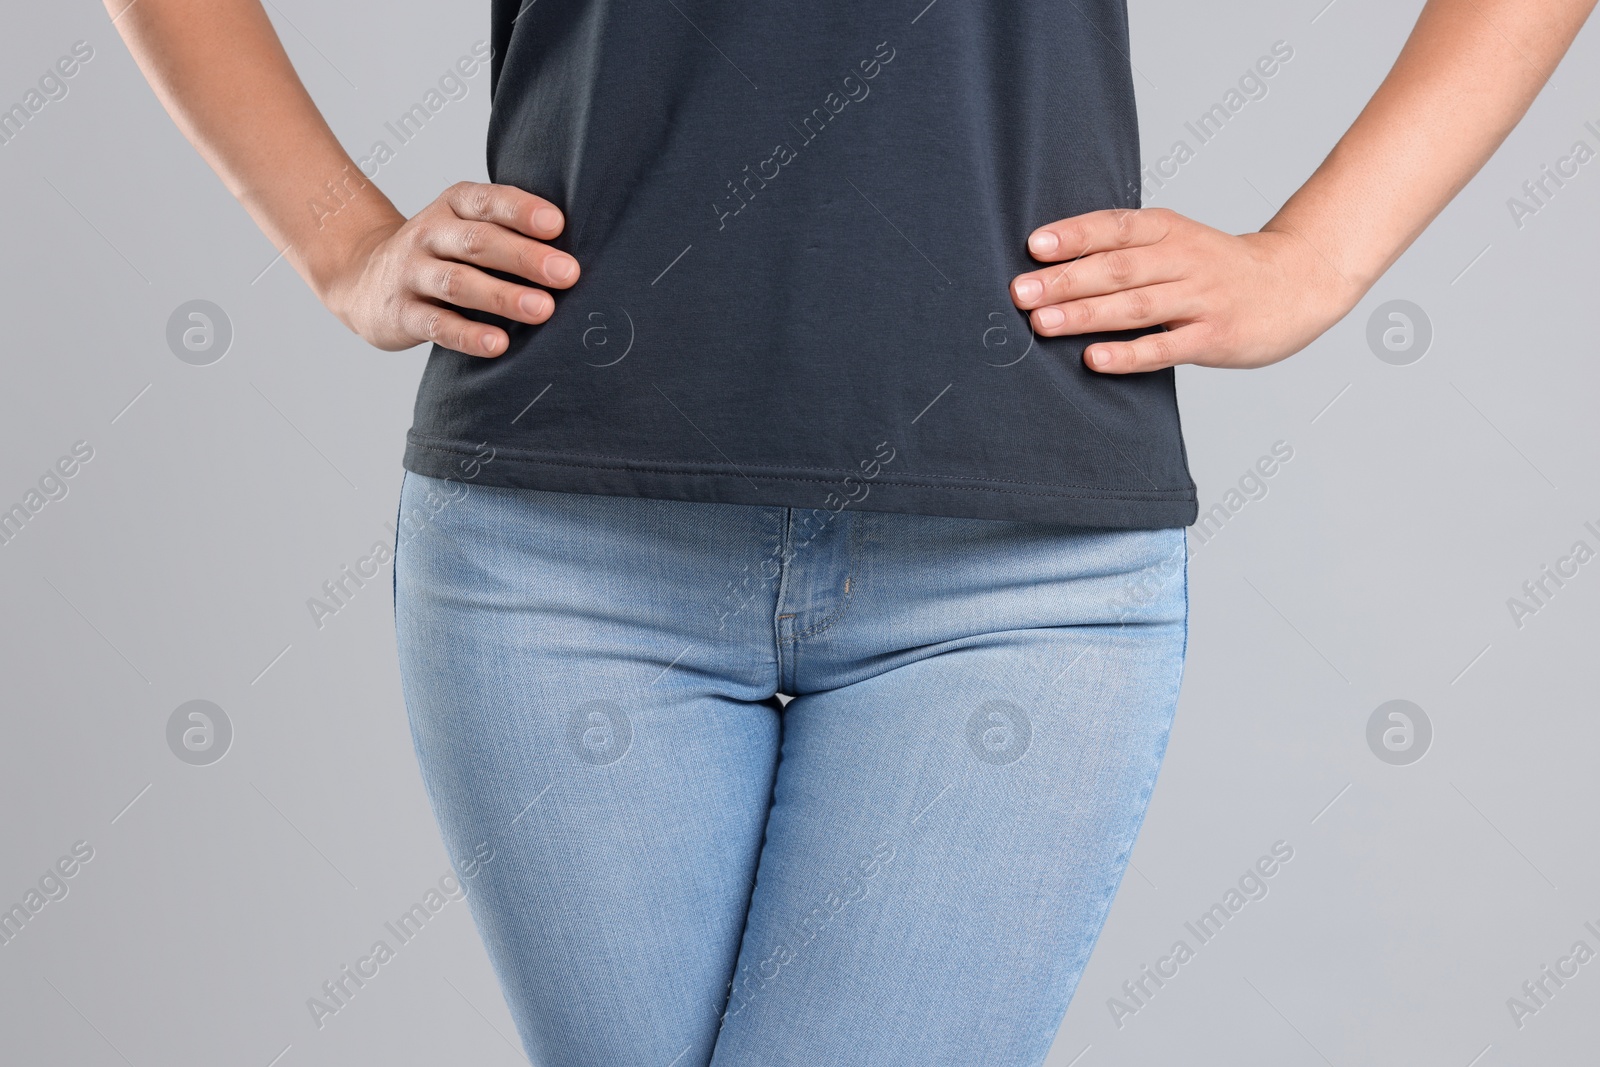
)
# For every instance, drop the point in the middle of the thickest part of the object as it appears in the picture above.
(406, 279)
(1226, 300)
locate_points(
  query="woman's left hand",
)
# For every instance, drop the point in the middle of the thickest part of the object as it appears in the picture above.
(1226, 300)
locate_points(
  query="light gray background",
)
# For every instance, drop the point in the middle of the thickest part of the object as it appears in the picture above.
(1418, 500)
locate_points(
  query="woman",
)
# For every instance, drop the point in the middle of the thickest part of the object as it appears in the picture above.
(790, 434)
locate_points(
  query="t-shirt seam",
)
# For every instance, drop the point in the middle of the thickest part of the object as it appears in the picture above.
(422, 441)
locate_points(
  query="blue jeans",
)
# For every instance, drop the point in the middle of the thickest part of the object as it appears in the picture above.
(907, 863)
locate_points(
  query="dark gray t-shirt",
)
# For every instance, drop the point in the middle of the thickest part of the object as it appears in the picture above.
(797, 224)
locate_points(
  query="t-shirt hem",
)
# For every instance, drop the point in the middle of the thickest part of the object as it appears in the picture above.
(947, 495)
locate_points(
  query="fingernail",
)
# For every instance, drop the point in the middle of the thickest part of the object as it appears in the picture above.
(1043, 241)
(1099, 357)
(547, 218)
(1049, 318)
(559, 267)
(1029, 290)
(532, 304)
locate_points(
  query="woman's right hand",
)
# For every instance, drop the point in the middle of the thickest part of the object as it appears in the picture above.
(406, 278)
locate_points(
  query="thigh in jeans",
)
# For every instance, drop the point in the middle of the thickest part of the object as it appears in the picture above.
(588, 713)
(978, 727)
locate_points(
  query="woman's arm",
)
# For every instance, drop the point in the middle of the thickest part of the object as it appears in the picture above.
(221, 72)
(1467, 75)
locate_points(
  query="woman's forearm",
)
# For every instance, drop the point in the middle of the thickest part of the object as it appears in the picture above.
(1467, 74)
(1465, 77)
(221, 72)
(219, 69)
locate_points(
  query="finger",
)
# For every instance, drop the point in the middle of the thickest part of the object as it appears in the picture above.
(1131, 309)
(1097, 231)
(505, 205)
(491, 245)
(466, 286)
(1153, 351)
(430, 322)
(1093, 275)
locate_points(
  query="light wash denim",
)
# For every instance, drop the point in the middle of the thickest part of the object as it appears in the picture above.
(907, 864)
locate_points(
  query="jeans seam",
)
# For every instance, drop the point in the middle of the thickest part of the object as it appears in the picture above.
(786, 524)
(850, 567)
(394, 556)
